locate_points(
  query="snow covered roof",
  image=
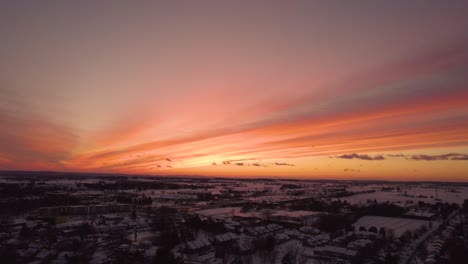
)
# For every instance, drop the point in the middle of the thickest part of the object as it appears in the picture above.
(281, 237)
(226, 237)
(336, 250)
(360, 243)
(199, 243)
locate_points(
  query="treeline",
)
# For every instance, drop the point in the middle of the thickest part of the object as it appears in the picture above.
(128, 199)
(137, 185)
(318, 205)
(32, 188)
(19, 205)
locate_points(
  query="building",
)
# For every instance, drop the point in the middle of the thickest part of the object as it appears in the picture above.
(335, 252)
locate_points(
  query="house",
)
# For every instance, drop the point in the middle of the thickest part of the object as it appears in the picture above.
(318, 240)
(358, 244)
(335, 252)
(281, 238)
(197, 245)
(198, 251)
(225, 238)
(45, 255)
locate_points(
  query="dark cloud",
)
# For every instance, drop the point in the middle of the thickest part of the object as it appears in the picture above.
(169, 166)
(396, 155)
(239, 163)
(351, 170)
(464, 157)
(361, 156)
(449, 156)
(169, 160)
(424, 157)
(231, 162)
(283, 164)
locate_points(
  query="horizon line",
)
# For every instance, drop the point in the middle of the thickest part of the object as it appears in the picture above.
(223, 177)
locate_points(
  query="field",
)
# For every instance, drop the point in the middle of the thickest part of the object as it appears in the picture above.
(449, 195)
(399, 225)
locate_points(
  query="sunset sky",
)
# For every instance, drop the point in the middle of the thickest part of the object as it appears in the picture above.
(302, 89)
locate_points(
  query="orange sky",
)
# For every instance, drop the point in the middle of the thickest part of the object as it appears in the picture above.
(278, 88)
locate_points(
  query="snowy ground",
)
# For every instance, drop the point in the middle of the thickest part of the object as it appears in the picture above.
(450, 195)
(399, 225)
(219, 213)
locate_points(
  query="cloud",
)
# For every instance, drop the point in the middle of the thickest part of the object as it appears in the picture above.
(425, 157)
(31, 141)
(396, 155)
(417, 157)
(449, 156)
(255, 164)
(361, 157)
(351, 170)
(283, 164)
(231, 162)
(355, 122)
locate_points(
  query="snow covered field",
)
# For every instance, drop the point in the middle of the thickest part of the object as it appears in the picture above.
(450, 195)
(399, 225)
(219, 213)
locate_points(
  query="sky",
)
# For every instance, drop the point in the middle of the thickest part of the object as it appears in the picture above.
(302, 89)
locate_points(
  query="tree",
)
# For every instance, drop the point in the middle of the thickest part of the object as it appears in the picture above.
(465, 206)
(457, 252)
(247, 207)
(169, 238)
(390, 259)
(390, 234)
(382, 231)
(334, 222)
(266, 214)
(406, 236)
(25, 232)
(165, 256)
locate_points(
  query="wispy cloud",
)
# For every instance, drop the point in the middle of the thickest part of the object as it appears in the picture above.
(360, 156)
(449, 156)
(416, 157)
(31, 141)
(283, 164)
(396, 155)
(351, 170)
(401, 117)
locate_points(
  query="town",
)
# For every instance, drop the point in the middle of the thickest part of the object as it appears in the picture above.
(90, 218)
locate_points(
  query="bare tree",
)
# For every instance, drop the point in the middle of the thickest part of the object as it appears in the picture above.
(266, 213)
